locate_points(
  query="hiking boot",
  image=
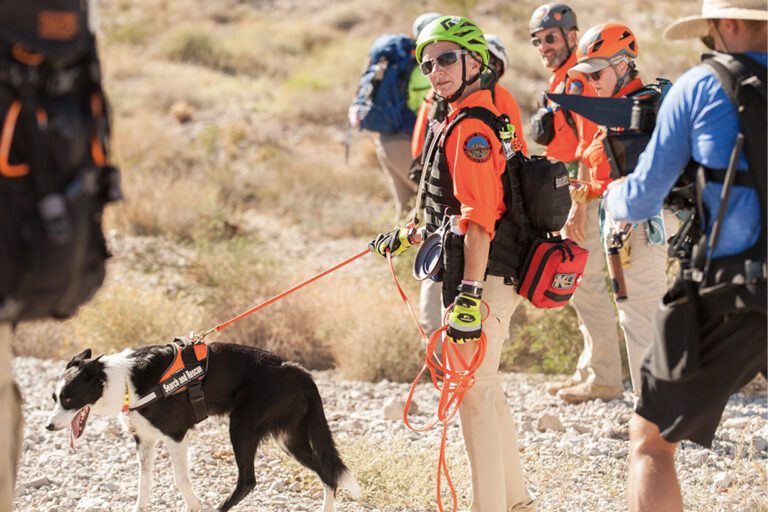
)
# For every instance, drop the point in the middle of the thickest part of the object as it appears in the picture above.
(520, 507)
(524, 507)
(553, 387)
(588, 391)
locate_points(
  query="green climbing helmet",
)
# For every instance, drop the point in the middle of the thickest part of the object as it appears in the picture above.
(456, 29)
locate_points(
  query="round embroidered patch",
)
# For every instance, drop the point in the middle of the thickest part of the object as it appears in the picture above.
(477, 147)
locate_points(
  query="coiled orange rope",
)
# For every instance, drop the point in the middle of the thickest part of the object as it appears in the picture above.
(451, 375)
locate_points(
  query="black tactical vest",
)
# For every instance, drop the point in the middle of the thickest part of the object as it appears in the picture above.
(514, 232)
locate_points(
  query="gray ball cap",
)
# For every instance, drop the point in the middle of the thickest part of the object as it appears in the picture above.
(553, 15)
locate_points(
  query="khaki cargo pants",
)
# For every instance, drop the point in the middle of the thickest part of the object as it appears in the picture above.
(600, 360)
(490, 437)
(394, 154)
(11, 422)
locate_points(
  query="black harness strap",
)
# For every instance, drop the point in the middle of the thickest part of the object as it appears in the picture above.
(195, 389)
(194, 386)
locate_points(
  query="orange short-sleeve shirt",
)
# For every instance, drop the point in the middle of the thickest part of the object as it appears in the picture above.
(476, 162)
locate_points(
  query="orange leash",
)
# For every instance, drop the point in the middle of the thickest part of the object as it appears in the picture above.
(282, 295)
(451, 375)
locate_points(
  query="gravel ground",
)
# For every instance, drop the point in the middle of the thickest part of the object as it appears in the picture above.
(574, 456)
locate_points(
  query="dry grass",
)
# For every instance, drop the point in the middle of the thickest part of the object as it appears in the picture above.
(393, 476)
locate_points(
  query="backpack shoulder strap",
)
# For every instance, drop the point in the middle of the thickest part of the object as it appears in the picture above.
(481, 113)
(570, 121)
(735, 71)
(744, 82)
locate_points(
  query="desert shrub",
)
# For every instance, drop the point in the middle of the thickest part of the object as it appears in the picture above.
(241, 273)
(45, 339)
(126, 315)
(544, 341)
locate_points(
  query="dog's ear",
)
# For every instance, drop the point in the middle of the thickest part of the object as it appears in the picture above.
(80, 358)
(91, 368)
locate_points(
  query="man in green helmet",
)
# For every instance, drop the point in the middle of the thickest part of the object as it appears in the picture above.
(464, 188)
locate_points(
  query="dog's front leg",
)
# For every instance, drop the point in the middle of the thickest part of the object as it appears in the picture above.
(145, 450)
(180, 460)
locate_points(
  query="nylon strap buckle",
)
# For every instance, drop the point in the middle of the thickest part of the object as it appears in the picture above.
(197, 399)
(693, 274)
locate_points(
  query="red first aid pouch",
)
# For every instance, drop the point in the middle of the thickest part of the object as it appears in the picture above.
(552, 272)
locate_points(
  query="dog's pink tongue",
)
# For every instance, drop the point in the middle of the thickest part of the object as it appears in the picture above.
(78, 425)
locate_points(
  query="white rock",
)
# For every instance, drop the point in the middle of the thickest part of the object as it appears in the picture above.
(721, 481)
(735, 423)
(37, 483)
(760, 444)
(90, 503)
(581, 429)
(549, 422)
(394, 407)
(277, 487)
(698, 458)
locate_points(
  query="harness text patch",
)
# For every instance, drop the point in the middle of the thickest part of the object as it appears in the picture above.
(477, 147)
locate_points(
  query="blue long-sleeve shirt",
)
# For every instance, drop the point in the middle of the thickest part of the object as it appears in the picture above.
(696, 120)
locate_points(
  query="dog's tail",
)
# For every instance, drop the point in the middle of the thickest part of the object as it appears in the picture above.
(333, 471)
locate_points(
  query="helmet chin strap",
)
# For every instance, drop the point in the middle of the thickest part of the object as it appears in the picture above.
(621, 81)
(567, 47)
(464, 82)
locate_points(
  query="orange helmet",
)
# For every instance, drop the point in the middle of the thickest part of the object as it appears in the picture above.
(603, 43)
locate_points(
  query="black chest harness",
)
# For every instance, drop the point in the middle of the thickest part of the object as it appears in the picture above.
(535, 194)
(186, 372)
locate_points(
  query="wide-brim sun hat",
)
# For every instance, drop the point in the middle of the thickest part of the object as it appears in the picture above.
(697, 26)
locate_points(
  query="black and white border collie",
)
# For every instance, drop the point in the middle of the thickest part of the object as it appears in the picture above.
(263, 395)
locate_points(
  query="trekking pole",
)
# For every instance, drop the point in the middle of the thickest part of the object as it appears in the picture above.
(725, 194)
(347, 144)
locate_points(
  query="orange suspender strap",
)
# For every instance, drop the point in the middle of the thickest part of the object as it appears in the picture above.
(6, 140)
(98, 151)
(26, 57)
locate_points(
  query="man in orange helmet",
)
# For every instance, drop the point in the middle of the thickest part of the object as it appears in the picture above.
(606, 59)
(554, 33)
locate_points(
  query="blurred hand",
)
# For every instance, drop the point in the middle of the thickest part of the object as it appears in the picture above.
(580, 195)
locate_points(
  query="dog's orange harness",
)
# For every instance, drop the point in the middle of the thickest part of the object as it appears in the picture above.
(186, 372)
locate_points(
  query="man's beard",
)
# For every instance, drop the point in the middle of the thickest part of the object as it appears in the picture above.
(555, 60)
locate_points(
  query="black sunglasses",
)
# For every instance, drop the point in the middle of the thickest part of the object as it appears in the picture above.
(549, 39)
(595, 75)
(444, 60)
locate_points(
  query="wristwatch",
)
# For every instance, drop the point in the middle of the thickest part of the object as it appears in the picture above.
(472, 288)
